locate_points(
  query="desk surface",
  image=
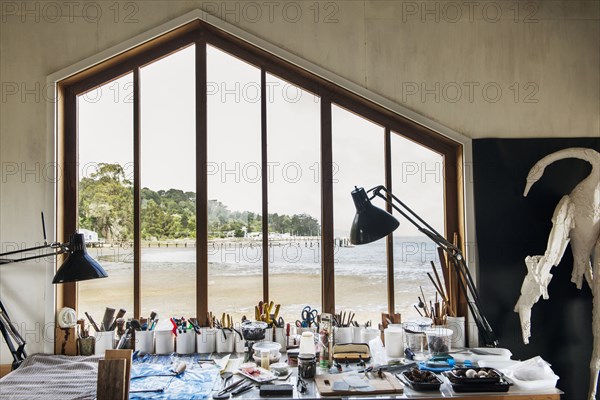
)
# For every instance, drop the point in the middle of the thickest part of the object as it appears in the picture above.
(312, 392)
(445, 392)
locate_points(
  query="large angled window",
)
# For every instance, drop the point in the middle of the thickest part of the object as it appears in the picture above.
(168, 182)
(105, 127)
(360, 271)
(212, 175)
(234, 184)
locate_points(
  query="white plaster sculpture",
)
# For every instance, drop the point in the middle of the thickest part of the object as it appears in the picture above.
(576, 220)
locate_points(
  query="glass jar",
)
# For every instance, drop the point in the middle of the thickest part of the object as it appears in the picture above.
(307, 366)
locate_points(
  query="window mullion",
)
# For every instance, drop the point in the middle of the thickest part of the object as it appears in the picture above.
(327, 248)
(201, 183)
(137, 233)
(265, 182)
(390, 238)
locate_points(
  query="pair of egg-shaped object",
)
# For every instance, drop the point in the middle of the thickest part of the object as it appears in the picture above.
(471, 373)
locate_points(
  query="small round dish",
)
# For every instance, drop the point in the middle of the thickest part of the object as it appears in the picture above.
(248, 367)
(281, 368)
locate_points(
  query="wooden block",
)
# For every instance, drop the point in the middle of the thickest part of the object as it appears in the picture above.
(65, 342)
(388, 385)
(122, 355)
(112, 380)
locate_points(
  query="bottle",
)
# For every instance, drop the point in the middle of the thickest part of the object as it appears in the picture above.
(264, 359)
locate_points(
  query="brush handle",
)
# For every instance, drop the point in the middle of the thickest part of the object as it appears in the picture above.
(120, 314)
(107, 319)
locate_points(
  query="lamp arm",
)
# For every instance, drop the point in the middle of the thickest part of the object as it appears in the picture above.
(425, 228)
(466, 280)
(58, 248)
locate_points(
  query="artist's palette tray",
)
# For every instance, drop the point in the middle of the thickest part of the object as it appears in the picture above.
(460, 387)
(259, 375)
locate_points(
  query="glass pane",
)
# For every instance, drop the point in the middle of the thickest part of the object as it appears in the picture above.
(293, 122)
(105, 126)
(360, 271)
(168, 181)
(234, 185)
(417, 180)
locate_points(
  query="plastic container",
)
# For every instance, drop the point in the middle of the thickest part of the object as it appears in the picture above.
(271, 347)
(144, 341)
(104, 340)
(356, 332)
(307, 343)
(342, 335)
(281, 368)
(206, 341)
(264, 359)
(457, 326)
(240, 343)
(438, 340)
(164, 342)
(368, 334)
(268, 335)
(404, 376)
(419, 324)
(186, 343)
(280, 338)
(394, 342)
(225, 341)
(416, 342)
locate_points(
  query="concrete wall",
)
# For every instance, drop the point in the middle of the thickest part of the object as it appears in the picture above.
(485, 69)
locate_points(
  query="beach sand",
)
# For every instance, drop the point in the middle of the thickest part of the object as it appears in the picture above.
(173, 295)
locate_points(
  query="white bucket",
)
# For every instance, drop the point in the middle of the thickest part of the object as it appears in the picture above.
(240, 343)
(342, 335)
(206, 341)
(457, 326)
(164, 342)
(104, 340)
(356, 332)
(368, 334)
(394, 342)
(186, 343)
(225, 341)
(144, 341)
(281, 339)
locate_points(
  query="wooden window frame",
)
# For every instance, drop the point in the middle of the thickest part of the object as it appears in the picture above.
(202, 34)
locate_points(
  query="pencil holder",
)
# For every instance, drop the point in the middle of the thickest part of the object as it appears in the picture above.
(186, 343)
(206, 341)
(225, 341)
(104, 341)
(164, 342)
(144, 341)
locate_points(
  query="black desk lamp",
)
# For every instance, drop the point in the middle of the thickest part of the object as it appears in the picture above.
(78, 266)
(372, 223)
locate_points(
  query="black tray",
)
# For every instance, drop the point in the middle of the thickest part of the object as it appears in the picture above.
(475, 381)
(502, 386)
(419, 386)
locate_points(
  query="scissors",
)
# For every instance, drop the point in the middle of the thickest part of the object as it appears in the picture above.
(309, 317)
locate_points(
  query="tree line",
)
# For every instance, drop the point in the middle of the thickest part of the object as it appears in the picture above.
(106, 207)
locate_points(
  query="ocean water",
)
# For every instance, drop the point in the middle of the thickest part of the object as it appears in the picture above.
(412, 257)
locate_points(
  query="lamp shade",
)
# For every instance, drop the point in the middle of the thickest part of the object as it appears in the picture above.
(370, 223)
(79, 265)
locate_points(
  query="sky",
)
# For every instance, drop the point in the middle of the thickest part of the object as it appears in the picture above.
(105, 118)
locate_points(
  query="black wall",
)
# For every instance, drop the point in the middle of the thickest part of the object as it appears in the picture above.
(511, 227)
